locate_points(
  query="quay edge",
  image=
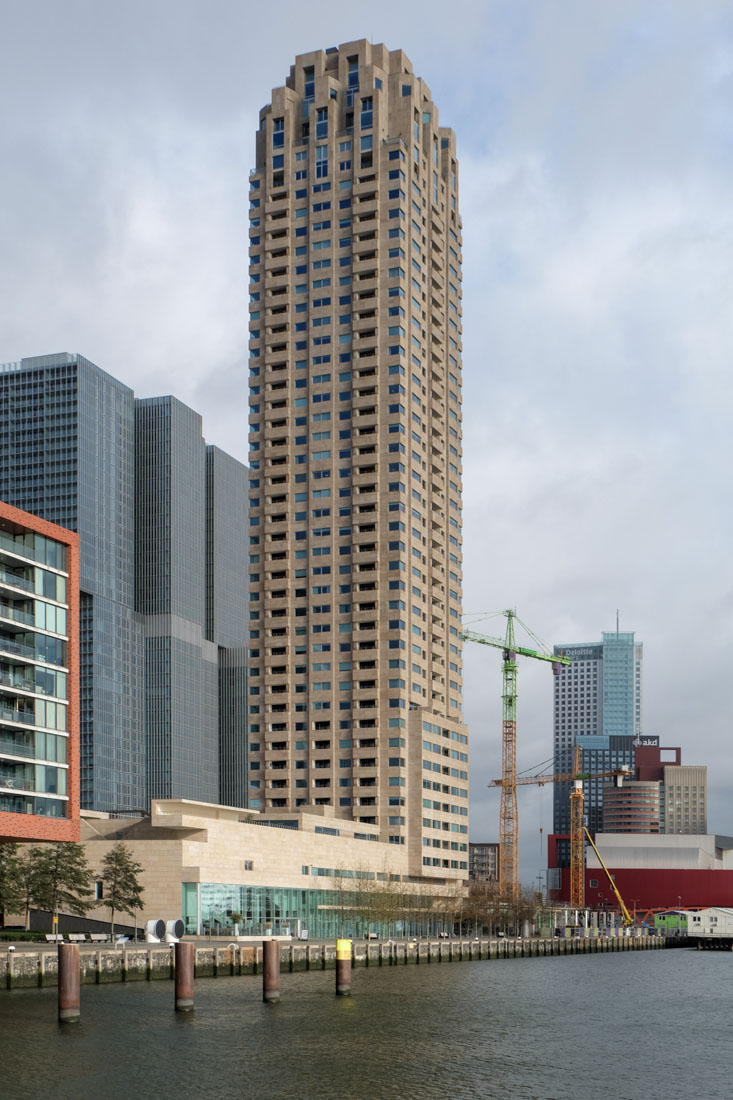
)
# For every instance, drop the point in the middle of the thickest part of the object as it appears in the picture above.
(39, 969)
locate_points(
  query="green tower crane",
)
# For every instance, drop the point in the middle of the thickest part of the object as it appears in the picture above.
(508, 818)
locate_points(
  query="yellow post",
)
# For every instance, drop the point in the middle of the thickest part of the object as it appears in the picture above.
(343, 968)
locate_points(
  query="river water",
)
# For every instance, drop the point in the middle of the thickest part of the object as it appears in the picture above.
(634, 1026)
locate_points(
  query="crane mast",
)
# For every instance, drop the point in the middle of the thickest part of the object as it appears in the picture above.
(508, 823)
(577, 881)
(508, 817)
(577, 827)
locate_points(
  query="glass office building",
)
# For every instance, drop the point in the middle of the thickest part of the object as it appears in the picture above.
(136, 479)
(598, 706)
(68, 456)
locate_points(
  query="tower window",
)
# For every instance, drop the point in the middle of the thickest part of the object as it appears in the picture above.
(366, 113)
(321, 161)
(310, 82)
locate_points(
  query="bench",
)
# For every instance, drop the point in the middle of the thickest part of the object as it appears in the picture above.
(77, 937)
(99, 937)
(54, 937)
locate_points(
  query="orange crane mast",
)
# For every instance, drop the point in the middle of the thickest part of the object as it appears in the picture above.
(576, 777)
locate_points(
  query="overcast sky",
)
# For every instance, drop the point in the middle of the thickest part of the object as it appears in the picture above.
(596, 164)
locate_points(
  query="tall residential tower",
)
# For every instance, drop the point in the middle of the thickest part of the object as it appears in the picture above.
(355, 670)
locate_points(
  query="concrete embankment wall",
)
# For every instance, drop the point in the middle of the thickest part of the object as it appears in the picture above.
(26, 969)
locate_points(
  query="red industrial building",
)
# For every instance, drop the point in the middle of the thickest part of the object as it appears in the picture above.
(654, 871)
(39, 678)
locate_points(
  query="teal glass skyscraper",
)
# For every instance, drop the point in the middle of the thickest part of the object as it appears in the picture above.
(598, 706)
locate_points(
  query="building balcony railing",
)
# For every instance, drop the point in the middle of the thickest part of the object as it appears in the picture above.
(17, 683)
(16, 582)
(10, 783)
(19, 549)
(9, 715)
(7, 611)
(12, 748)
(17, 649)
(37, 804)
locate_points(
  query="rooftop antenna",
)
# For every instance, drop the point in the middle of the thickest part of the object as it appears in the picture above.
(617, 622)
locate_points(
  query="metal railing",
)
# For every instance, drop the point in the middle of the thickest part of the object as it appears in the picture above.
(11, 783)
(16, 682)
(12, 748)
(7, 611)
(16, 582)
(26, 716)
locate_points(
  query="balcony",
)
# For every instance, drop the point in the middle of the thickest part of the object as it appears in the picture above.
(9, 611)
(10, 783)
(18, 683)
(16, 581)
(18, 650)
(8, 714)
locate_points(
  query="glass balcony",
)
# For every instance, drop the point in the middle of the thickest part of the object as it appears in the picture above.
(31, 804)
(16, 581)
(7, 611)
(8, 714)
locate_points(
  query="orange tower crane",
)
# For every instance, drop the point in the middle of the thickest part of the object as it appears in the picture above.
(508, 819)
(577, 828)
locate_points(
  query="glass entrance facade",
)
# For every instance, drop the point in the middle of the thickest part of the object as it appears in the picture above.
(323, 914)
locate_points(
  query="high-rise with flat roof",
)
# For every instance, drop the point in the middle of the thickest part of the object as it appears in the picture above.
(684, 790)
(67, 434)
(162, 528)
(598, 705)
(190, 507)
(355, 669)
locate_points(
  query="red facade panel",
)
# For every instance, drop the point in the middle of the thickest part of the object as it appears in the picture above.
(653, 888)
(662, 888)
